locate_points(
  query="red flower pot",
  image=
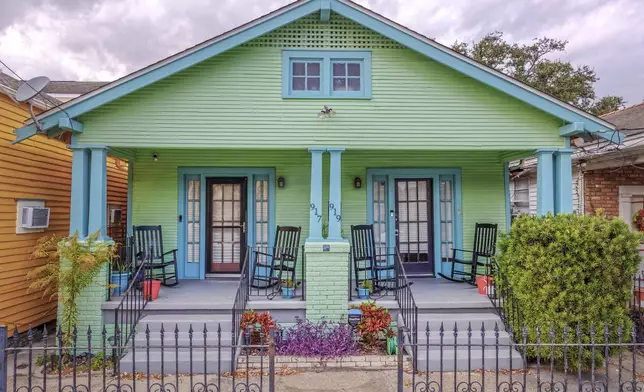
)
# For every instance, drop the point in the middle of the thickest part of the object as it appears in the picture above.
(482, 283)
(151, 288)
(639, 293)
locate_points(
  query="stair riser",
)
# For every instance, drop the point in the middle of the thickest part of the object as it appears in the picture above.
(462, 326)
(435, 341)
(169, 367)
(168, 342)
(184, 327)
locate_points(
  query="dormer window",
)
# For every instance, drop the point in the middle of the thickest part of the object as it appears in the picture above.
(326, 74)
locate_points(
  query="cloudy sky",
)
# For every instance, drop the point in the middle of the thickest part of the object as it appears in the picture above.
(105, 39)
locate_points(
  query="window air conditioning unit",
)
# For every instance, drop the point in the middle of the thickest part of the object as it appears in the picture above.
(35, 217)
(116, 215)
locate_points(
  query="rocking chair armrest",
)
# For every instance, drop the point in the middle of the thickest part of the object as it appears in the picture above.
(263, 254)
(170, 251)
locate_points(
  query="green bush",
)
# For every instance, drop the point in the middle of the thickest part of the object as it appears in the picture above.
(569, 270)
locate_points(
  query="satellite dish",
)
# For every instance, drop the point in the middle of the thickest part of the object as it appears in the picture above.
(31, 88)
(28, 90)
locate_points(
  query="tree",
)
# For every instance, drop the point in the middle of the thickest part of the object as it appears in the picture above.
(532, 64)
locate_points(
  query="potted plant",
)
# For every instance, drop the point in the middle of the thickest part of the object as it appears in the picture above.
(120, 277)
(364, 290)
(288, 289)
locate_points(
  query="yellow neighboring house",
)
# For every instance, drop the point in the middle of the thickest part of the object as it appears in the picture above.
(37, 174)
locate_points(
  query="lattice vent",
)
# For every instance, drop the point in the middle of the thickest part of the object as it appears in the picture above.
(339, 33)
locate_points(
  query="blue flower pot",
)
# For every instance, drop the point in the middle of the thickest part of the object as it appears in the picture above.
(287, 292)
(121, 280)
(363, 293)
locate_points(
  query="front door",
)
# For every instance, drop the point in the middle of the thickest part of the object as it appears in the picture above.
(226, 220)
(414, 225)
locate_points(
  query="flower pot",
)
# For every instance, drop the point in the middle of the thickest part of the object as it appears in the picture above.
(120, 279)
(363, 293)
(287, 292)
(151, 288)
(482, 283)
(638, 293)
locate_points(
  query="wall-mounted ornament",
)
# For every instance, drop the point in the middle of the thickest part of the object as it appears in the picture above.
(326, 112)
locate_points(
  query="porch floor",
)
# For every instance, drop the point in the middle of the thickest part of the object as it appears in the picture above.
(429, 293)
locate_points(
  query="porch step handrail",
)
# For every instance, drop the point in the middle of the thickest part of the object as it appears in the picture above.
(133, 302)
(503, 299)
(239, 305)
(407, 304)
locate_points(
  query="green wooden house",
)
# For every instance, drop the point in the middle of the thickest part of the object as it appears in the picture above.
(321, 114)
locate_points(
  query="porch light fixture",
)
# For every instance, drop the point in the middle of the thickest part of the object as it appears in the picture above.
(281, 182)
(357, 183)
(155, 157)
(326, 112)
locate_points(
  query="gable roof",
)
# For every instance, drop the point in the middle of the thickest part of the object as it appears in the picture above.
(583, 122)
(628, 120)
(9, 85)
(72, 87)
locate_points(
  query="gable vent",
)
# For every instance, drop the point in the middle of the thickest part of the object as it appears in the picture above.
(339, 33)
(35, 217)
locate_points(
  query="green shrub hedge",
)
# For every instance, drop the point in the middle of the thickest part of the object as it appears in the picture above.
(569, 270)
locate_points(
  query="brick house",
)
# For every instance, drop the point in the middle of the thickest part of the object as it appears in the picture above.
(605, 176)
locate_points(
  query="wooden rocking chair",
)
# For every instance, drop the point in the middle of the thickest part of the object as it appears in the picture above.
(269, 267)
(369, 264)
(484, 248)
(148, 246)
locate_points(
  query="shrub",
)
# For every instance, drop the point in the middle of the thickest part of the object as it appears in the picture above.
(82, 262)
(375, 326)
(317, 340)
(252, 322)
(569, 270)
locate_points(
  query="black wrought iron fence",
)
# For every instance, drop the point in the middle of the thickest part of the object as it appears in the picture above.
(277, 272)
(183, 357)
(484, 358)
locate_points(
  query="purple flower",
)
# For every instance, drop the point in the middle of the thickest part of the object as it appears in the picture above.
(327, 340)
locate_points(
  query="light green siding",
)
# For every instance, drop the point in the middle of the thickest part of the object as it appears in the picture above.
(156, 189)
(482, 183)
(155, 192)
(234, 101)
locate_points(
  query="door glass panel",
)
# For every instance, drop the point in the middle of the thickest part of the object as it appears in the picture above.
(380, 213)
(227, 224)
(193, 233)
(447, 216)
(413, 224)
(261, 214)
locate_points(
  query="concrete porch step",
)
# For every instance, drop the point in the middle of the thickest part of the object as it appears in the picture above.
(462, 321)
(213, 362)
(183, 339)
(462, 340)
(462, 360)
(184, 321)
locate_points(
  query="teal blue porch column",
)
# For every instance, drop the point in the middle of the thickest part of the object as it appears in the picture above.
(563, 180)
(545, 181)
(98, 192)
(315, 207)
(335, 194)
(79, 208)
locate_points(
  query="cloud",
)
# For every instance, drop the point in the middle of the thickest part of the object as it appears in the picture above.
(105, 39)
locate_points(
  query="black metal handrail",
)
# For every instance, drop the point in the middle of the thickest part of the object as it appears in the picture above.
(406, 304)
(128, 312)
(239, 305)
(503, 299)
